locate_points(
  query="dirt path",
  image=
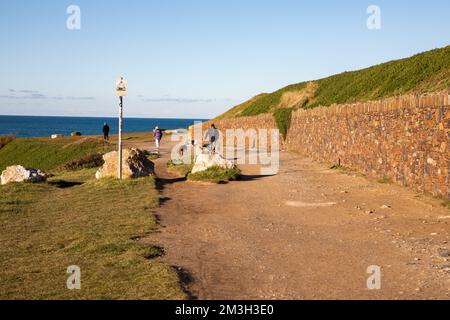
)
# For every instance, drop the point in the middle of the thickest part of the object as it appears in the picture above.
(306, 233)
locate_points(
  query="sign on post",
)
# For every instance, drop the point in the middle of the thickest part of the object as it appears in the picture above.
(121, 91)
(121, 87)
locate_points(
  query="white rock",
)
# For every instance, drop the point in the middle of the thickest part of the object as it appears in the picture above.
(207, 160)
(22, 174)
(56, 136)
(134, 165)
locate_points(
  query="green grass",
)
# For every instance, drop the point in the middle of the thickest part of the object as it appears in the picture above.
(215, 175)
(47, 154)
(181, 169)
(44, 228)
(283, 120)
(425, 72)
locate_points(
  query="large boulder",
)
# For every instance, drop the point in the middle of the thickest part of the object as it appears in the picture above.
(206, 160)
(134, 165)
(22, 174)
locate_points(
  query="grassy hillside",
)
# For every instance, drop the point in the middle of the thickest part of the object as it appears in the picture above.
(47, 154)
(425, 72)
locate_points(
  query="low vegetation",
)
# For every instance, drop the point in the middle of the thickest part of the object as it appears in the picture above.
(87, 162)
(47, 154)
(215, 175)
(385, 180)
(4, 140)
(283, 120)
(425, 72)
(180, 168)
(76, 220)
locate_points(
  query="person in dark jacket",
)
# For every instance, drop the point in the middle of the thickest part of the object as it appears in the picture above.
(105, 132)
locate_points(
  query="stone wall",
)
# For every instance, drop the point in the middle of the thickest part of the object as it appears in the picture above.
(264, 121)
(404, 139)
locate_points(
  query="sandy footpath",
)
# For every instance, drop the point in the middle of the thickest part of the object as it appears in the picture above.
(307, 233)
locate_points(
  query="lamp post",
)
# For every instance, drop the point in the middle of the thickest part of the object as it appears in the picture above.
(121, 91)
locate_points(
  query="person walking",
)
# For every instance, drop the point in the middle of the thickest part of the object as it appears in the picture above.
(105, 132)
(157, 134)
(212, 135)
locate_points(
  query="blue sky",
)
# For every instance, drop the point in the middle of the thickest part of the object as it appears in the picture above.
(194, 58)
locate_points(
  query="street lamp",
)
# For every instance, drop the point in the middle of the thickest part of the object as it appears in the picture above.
(121, 91)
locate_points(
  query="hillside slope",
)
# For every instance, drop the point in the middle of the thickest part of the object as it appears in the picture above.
(424, 72)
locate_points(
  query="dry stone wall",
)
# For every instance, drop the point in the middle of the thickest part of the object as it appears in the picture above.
(404, 139)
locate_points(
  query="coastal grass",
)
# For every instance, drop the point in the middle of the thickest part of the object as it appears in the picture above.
(74, 219)
(47, 154)
(215, 174)
(180, 168)
(422, 73)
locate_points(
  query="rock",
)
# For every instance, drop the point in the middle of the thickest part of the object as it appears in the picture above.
(207, 160)
(75, 134)
(56, 136)
(134, 165)
(22, 174)
(385, 206)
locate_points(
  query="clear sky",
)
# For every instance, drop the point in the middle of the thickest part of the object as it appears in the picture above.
(194, 58)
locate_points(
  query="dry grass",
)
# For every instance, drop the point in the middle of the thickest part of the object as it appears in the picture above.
(298, 99)
(75, 220)
(4, 140)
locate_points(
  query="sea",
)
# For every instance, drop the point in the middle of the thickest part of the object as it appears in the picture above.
(39, 126)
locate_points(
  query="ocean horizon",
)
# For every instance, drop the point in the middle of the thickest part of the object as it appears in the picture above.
(45, 126)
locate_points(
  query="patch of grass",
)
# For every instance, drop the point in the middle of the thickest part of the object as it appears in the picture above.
(347, 170)
(283, 120)
(183, 169)
(422, 73)
(86, 162)
(385, 180)
(215, 175)
(4, 140)
(153, 156)
(44, 229)
(342, 168)
(47, 154)
(268, 102)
